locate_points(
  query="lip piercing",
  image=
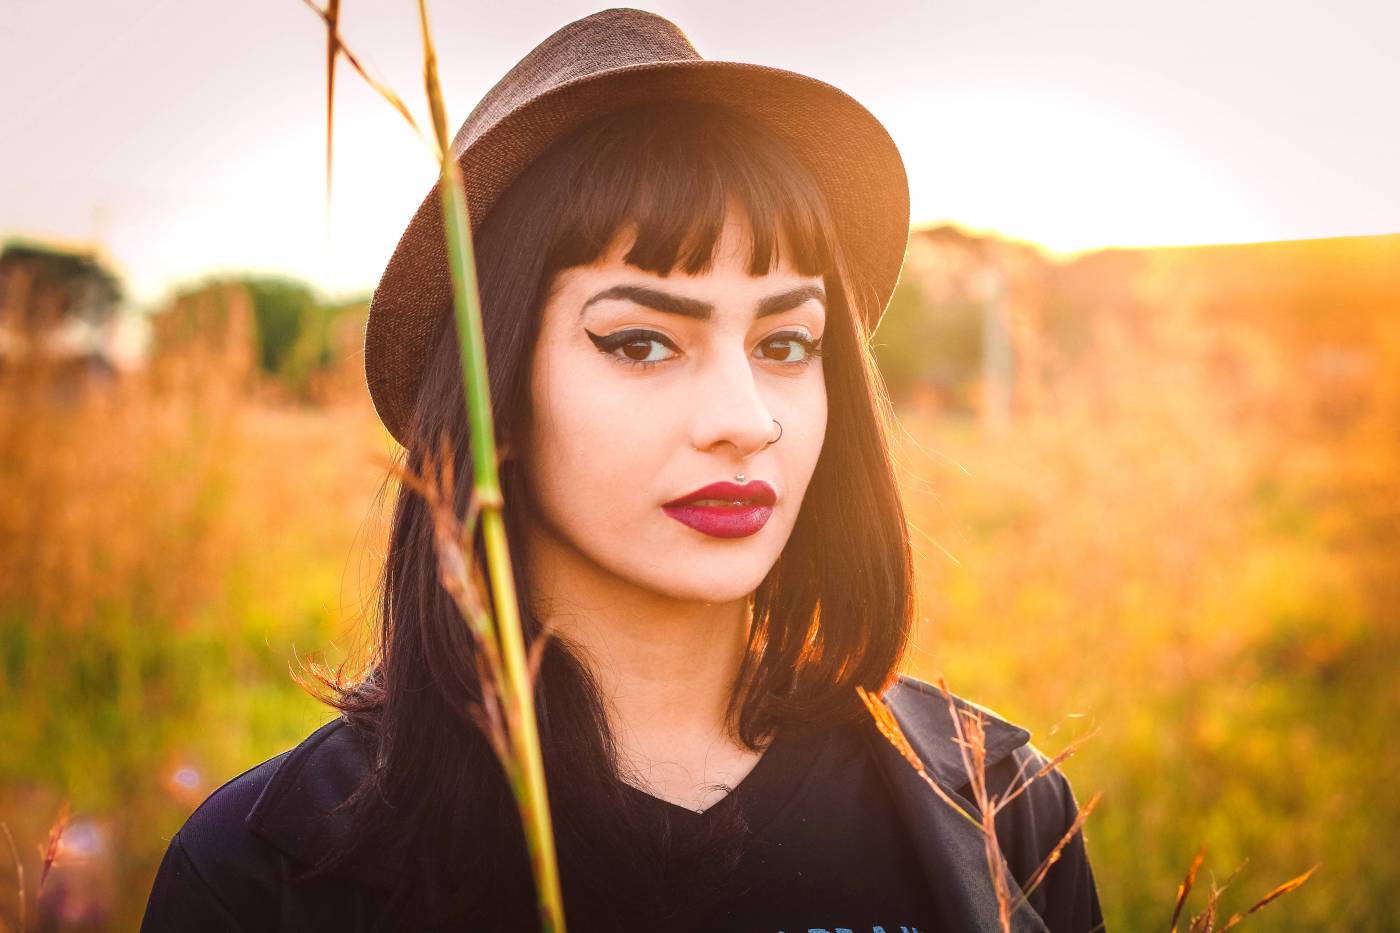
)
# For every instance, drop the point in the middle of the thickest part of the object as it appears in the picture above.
(739, 478)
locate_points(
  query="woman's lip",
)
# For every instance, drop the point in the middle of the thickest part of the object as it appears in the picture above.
(728, 521)
(753, 493)
(738, 511)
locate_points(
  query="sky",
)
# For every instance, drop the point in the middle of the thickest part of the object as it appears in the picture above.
(184, 138)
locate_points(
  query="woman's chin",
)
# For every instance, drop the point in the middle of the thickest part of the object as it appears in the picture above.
(709, 592)
(717, 570)
(712, 581)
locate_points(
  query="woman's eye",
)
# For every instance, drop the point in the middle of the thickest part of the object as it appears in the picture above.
(647, 347)
(643, 347)
(790, 348)
(644, 351)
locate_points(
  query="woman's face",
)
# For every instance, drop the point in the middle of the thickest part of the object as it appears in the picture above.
(646, 389)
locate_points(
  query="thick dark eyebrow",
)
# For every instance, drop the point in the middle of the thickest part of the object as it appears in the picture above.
(702, 310)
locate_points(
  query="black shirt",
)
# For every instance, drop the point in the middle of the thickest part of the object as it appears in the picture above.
(826, 850)
(832, 840)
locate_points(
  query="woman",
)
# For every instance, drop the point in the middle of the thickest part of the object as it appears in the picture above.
(680, 265)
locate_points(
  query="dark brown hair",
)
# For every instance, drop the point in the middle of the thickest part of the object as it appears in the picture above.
(833, 613)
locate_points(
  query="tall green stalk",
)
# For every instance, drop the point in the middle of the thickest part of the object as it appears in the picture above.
(525, 764)
(507, 671)
(526, 767)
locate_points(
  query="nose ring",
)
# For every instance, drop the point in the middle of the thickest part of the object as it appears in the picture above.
(739, 477)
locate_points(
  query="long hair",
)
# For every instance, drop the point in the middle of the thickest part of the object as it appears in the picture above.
(833, 613)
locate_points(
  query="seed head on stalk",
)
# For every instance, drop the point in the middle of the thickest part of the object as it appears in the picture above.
(460, 575)
(1205, 921)
(969, 730)
(48, 854)
(21, 911)
(969, 735)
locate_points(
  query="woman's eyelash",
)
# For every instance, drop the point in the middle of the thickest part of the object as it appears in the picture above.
(610, 343)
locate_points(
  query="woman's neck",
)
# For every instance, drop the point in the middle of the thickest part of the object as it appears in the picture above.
(664, 666)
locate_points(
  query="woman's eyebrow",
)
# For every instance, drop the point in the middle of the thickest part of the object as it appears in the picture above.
(701, 310)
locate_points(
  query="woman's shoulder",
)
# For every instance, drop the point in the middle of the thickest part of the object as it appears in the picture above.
(226, 866)
(216, 874)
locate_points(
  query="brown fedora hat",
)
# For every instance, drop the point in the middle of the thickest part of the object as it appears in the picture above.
(603, 63)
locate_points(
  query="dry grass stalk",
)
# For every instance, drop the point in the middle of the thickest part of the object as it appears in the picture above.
(49, 854)
(51, 850)
(334, 48)
(1206, 920)
(19, 879)
(1183, 890)
(970, 736)
(460, 575)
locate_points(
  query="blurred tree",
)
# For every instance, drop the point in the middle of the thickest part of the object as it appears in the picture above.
(899, 341)
(295, 332)
(284, 311)
(57, 306)
(44, 286)
(287, 331)
(922, 344)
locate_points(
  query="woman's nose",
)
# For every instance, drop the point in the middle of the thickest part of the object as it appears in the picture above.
(728, 408)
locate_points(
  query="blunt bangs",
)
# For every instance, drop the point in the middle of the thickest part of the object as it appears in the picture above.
(668, 175)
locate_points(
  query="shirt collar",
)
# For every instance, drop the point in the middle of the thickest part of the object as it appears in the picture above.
(922, 710)
(296, 812)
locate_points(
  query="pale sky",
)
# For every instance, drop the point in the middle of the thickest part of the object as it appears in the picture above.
(186, 137)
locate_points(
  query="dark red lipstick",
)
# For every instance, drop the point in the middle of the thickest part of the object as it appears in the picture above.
(725, 510)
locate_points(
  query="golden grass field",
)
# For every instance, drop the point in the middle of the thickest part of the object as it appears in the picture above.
(1188, 539)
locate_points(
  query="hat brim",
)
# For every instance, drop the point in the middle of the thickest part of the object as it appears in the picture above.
(848, 152)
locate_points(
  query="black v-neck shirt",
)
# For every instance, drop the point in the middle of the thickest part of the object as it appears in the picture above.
(827, 853)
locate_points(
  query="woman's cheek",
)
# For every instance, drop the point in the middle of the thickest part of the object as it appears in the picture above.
(593, 449)
(803, 456)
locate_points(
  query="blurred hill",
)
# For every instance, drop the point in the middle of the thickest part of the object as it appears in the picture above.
(981, 319)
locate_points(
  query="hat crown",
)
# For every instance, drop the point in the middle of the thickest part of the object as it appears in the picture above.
(609, 39)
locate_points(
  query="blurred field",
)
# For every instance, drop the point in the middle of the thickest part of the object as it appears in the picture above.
(1177, 519)
(168, 546)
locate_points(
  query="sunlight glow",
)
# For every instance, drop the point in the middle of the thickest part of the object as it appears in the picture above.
(1069, 175)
